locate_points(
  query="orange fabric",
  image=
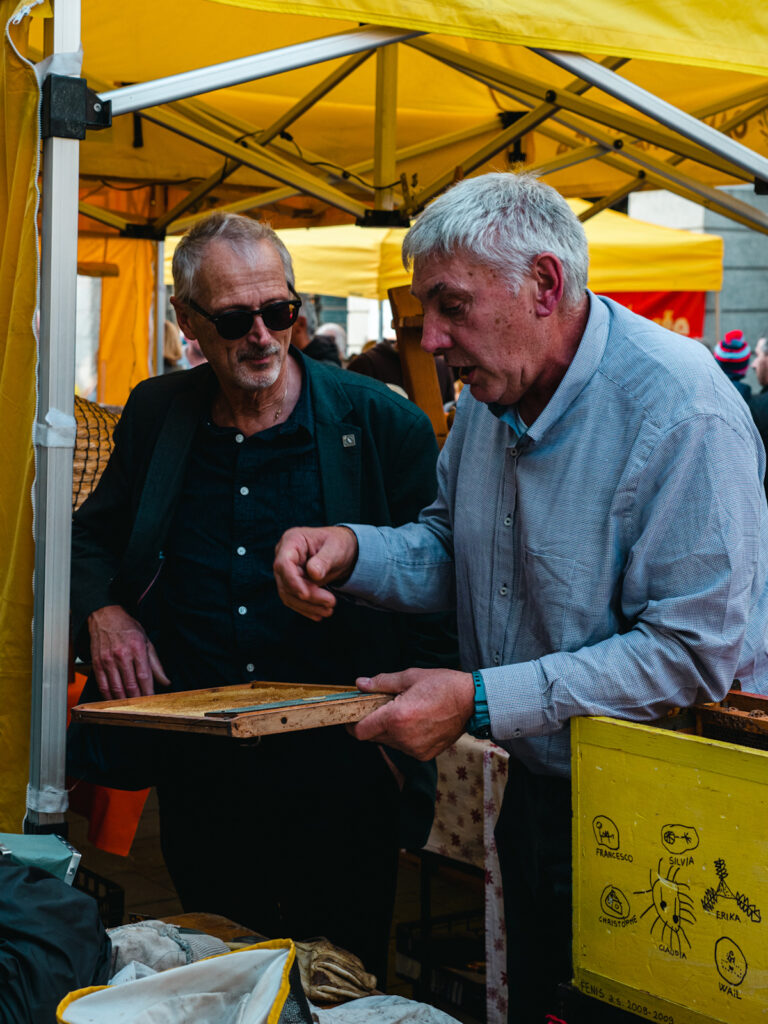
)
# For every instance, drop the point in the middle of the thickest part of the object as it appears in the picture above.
(125, 334)
(113, 814)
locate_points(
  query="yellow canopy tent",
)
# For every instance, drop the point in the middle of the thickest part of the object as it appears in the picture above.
(624, 255)
(338, 143)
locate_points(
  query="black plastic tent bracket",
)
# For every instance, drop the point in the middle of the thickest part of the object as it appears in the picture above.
(70, 108)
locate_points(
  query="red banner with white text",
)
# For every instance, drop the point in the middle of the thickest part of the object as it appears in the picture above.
(682, 312)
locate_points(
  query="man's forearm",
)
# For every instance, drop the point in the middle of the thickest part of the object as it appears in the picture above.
(407, 569)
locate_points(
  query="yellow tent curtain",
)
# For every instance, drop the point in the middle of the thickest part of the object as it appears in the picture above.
(18, 269)
(123, 357)
(716, 34)
(625, 255)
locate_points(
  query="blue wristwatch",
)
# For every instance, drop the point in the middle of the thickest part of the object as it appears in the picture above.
(480, 723)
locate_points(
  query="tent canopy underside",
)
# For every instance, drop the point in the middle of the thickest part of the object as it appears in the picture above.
(299, 146)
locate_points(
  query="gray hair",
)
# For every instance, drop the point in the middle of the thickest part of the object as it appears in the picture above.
(242, 234)
(504, 220)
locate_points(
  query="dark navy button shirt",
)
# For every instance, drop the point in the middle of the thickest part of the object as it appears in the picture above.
(225, 623)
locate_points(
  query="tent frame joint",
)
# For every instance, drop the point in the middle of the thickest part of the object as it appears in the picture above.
(69, 108)
(396, 218)
(149, 231)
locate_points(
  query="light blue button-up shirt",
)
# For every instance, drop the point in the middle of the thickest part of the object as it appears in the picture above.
(613, 560)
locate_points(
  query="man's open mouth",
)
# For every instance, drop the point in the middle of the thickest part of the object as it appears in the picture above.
(465, 372)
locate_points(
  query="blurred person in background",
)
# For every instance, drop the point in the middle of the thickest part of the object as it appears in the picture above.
(758, 404)
(313, 344)
(337, 334)
(382, 361)
(732, 356)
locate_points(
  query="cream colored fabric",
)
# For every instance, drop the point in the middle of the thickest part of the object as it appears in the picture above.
(247, 987)
(382, 1010)
(160, 946)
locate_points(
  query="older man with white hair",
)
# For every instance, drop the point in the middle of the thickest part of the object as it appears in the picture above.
(580, 530)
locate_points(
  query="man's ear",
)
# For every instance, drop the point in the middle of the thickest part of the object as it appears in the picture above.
(547, 273)
(182, 318)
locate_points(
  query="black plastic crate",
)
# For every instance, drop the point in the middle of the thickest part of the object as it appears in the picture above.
(447, 965)
(109, 895)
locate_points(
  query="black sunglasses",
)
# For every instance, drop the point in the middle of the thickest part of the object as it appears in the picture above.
(277, 316)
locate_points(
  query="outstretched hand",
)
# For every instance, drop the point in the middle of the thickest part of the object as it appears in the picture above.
(307, 560)
(428, 714)
(125, 662)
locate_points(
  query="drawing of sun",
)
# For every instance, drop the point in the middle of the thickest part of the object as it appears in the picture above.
(673, 907)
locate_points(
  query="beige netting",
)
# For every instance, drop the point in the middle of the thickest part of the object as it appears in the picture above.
(93, 446)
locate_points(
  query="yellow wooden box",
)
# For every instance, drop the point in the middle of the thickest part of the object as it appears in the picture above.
(670, 873)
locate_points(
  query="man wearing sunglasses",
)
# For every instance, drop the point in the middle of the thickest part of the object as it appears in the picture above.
(172, 586)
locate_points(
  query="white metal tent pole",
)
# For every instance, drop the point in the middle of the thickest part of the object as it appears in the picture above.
(661, 111)
(249, 69)
(54, 441)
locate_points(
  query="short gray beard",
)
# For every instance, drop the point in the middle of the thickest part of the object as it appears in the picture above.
(266, 350)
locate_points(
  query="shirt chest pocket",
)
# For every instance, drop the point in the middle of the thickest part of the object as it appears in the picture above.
(548, 595)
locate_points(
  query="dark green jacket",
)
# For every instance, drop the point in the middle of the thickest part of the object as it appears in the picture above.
(376, 455)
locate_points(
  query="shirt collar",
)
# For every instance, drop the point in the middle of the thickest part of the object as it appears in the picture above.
(583, 366)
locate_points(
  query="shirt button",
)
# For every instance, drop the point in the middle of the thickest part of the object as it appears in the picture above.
(507, 520)
(517, 733)
(250, 667)
(242, 610)
(496, 658)
(241, 550)
(503, 591)
(513, 453)
(239, 438)
(243, 490)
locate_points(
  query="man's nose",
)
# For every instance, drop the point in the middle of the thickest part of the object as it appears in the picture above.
(260, 332)
(433, 338)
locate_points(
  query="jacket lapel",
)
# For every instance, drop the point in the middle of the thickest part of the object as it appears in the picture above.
(339, 446)
(165, 476)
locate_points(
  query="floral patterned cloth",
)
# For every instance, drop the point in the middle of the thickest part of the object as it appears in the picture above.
(471, 776)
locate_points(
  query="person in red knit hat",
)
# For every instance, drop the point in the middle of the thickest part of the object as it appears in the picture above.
(732, 353)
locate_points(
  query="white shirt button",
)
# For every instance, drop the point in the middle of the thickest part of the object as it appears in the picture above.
(250, 667)
(243, 490)
(507, 520)
(241, 550)
(503, 591)
(242, 610)
(496, 658)
(517, 733)
(239, 438)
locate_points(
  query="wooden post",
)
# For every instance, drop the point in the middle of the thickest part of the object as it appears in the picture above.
(419, 370)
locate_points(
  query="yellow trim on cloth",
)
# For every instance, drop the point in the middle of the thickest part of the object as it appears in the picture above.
(265, 989)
